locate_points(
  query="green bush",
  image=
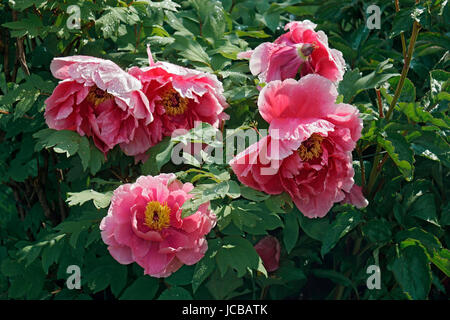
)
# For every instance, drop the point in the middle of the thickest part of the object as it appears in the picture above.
(55, 186)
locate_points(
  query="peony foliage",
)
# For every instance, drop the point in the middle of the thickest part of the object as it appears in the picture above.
(224, 149)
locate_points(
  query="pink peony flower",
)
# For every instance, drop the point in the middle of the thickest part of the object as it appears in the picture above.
(180, 97)
(98, 99)
(308, 152)
(356, 197)
(300, 50)
(268, 248)
(144, 225)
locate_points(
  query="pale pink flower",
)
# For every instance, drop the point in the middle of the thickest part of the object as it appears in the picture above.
(268, 248)
(309, 146)
(301, 51)
(144, 225)
(98, 99)
(356, 197)
(180, 97)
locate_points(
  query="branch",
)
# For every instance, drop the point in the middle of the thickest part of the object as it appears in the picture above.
(402, 35)
(398, 90)
(20, 53)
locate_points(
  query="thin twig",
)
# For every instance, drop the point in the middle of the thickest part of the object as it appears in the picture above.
(380, 103)
(398, 90)
(402, 35)
(21, 49)
(363, 170)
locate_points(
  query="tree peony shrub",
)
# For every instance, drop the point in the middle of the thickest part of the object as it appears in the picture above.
(338, 186)
(98, 99)
(144, 225)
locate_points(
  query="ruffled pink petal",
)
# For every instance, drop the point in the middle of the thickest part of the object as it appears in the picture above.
(356, 197)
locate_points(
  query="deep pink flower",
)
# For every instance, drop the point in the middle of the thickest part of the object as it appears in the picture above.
(144, 225)
(180, 97)
(301, 51)
(308, 152)
(98, 99)
(268, 248)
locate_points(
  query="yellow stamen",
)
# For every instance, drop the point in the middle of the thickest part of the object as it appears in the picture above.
(173, 103)
(97, 96)
(157, 216)
(311, 148)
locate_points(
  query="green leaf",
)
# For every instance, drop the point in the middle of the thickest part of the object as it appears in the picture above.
(252, 218)
(281, 203)
(96, 159)
(159, 155)
(144, 288)
(252, 194)
(290, 231)
(400, 151)
(11, 268)
(119, 275)
(182, 277)
(353, 83)
(191, 50)
(203, 270)
(377, 231)
(429, 241)
(404, 19)
(175, 293)
(206, 265)
(416, 113)
(101, 200)
(222, 287)
(21, 5)
(334, 276)
(241, 92)
(26, 102)
(440, 85)
(434, 250)
(424, 208)
(31, 25)
(253, 34)
(84, 152)
(110, 22)
(408, 93)
(206, 192)
(343, 224)
(165, 4)
(314, 228)
(201, 133)
(177, 24)
(237, 253)
(433, 146)
(213, 19)
(63, 141)
(412, 271)
(51, 253)
(441, 260)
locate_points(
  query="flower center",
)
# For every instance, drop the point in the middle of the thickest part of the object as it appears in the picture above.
(311, 148)
(173, 103)
(157, 216)
(97, 96)
(305, 50)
